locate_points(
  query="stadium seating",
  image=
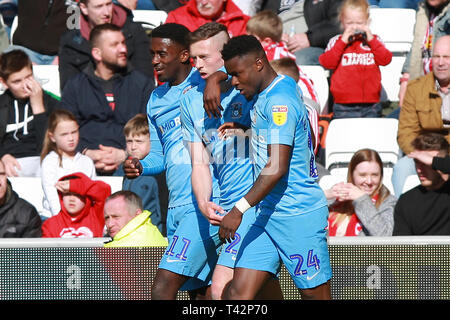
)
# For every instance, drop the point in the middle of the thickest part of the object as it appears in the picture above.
(319, 77)
(346, 136)
(395, 26)
(390, 76)
(150, 18)
(48, 77)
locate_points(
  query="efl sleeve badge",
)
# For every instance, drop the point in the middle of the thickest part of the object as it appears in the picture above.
(279, 115)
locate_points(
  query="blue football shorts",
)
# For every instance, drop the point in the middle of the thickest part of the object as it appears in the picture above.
(194, 246)
(229, 251)
(299, 241)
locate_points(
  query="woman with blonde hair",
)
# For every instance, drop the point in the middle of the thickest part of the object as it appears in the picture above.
(363, 206)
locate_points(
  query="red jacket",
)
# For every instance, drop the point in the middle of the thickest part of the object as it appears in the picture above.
(90, 222)
(233, 18)
(356, 77)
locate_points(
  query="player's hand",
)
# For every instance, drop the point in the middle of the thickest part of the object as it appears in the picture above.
(229, 225)
(211, 95)
(132, 168)
(229, 129)
(212, 212)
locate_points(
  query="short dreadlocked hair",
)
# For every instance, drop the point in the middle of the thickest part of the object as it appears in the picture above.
(240, 46)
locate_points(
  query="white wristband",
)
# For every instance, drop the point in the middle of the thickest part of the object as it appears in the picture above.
(242, 205)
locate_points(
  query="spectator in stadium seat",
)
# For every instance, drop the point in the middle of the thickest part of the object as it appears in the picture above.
(18, 218)
(128, 224)
(425, 209)
(432, 22)
(59, 157)
(363, 206)
(198, 12)
(355, 57)
(81, 215)
(425, 109)
(137, 137)
(24, 110)
(40, 25)
(104, 97)
(75, 50)
(308, 26)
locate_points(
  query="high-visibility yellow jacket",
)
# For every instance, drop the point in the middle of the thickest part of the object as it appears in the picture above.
(139, 232)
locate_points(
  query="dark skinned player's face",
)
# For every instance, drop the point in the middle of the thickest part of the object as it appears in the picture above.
(244, 75)
(166, 58)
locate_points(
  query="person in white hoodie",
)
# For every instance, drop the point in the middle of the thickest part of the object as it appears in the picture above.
(59, 158)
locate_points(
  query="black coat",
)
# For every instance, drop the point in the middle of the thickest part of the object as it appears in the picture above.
(18, 218)
(83, 95)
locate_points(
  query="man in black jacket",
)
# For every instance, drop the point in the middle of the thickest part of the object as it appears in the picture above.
(18, 218)
(75, 50)
(105, 96)
(425, 209)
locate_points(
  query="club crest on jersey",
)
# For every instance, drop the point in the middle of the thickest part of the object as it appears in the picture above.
(236, 110)
(279, 114)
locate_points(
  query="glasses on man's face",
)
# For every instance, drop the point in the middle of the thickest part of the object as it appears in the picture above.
(438, 57)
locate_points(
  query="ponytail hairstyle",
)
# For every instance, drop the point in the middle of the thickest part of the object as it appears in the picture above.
(55, 117)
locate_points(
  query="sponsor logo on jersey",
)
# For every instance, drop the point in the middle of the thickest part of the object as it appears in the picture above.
(279, 114)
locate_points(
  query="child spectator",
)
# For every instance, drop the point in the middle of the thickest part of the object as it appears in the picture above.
(288, 67)
(267, 27)
(137, 137)
(24, 110)
(82, 201)
(59, 157)
(355, 57)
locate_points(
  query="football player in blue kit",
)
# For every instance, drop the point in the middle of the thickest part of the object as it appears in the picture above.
(193, 246)
(229, 154)
(292, 211)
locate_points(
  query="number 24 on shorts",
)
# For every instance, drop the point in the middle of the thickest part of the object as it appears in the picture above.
(311, 261)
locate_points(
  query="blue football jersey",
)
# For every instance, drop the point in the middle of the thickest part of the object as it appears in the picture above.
(280, 117)
(230, 157)
(163, 110)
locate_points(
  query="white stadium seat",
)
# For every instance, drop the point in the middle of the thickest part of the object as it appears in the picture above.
(346, 136)
(395, 27)
(319, 77)
(153, 18)
(48, 77)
